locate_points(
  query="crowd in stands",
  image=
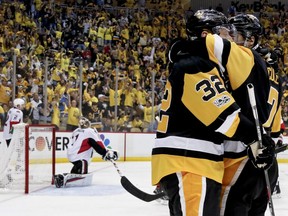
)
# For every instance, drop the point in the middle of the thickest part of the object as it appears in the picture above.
(123, 49)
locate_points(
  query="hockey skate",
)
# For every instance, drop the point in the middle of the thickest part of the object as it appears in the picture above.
(59, 180)
(163, 200)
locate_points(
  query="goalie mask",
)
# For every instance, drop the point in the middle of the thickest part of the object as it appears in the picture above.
(84, 123)
(18, 103)
(201, 20)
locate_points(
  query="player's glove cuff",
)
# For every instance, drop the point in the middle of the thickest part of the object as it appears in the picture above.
(110, 155)
(262, 158)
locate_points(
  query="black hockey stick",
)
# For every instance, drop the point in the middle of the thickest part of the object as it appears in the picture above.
(252, 99)
(281, 148)
(128, 186)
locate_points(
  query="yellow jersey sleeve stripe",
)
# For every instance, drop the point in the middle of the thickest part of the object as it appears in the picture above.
(230, 124)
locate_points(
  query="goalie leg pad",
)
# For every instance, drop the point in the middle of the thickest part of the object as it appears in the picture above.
(78, 180)
(73, 180)
(80, 167)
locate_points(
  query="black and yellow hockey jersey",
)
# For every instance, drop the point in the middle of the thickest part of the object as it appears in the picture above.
(270, 114)
(198, 112)
(275, 97)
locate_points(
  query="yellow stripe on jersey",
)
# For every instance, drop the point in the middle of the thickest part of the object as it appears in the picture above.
(276, 125)
(273, 101)
(163, 165)
(233, 125)
(209, 90)
(237, 74)
(194, 192)
(228, 162)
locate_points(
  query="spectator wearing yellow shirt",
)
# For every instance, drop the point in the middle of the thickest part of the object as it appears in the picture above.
(99, 59)
(73, 92)
(109, 35)
(142, 16)
(141, 95)
(18, 16)
(5, 90)
(7, 70)
(122, 122)
(156, 27)
(72, 69)
(60, 87)
(30, 23)
(58, 34)
(135, 68)
(147, 112)
(73, 114)
(85, 73)
(21, 91)
(163, 31)
(50, 92)
(125, 34)
(89, 95)
(129, 3)
(161, 54)
(39, 49)
(56, 112)
(65, 62)
(93, 33)
(108, 63)
(122, 54)
(130, 98)
(112, 97)
(163, 5)
(56, 74)
(100, 34)
(147, 29)
(136, 124)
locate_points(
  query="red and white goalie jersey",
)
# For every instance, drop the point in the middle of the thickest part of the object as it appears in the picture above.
(82, 143)
(14, 116)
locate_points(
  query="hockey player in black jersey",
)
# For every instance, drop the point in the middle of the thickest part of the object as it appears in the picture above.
(244, 187)
(198, 113)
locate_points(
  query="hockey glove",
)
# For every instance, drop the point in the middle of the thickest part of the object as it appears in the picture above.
(110, 155)
(278, 141)
(262, 158)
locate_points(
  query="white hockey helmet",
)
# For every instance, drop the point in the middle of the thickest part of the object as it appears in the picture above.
(18, 103)
(84, 122)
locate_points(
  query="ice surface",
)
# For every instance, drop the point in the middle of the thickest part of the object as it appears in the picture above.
(105, 197)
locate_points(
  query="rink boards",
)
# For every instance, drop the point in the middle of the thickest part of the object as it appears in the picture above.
(131, 146)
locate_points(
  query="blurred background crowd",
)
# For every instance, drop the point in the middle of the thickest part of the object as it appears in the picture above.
(107, 63)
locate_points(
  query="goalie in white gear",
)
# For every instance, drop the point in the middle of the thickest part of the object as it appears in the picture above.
(14, 116)
(80, 152)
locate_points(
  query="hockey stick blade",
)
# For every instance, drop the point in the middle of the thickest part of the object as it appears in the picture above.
(129, 187)
(281, 148)
(138, 193)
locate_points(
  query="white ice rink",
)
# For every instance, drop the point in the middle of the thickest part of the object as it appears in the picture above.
(105, 197)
